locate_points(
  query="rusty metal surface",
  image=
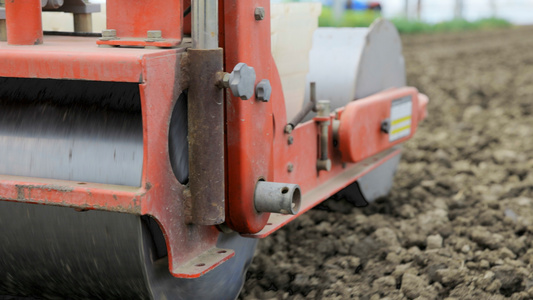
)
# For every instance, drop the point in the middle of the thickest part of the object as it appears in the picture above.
(206, 137)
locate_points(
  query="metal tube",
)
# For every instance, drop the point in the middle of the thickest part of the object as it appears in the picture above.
(24, 22)
(204, 24)
(83, 22)
(324, 139)
(274, 197)
(310, 106)
(3, 35)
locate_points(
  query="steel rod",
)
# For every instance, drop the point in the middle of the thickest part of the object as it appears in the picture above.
(204, 24)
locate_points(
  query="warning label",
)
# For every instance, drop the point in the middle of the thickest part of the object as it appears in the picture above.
(400, 118)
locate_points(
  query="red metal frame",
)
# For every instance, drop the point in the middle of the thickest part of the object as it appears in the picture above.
(161, 195)
(250, 125)
(256, 145)
(360, 134)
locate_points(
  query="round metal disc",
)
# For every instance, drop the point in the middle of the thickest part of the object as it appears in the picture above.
(353, 63)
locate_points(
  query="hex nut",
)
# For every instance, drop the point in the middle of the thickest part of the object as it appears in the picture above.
(263, 90)
(109, 34)
(154, 34)
(259, 13)
(242, 81)
(225, 80)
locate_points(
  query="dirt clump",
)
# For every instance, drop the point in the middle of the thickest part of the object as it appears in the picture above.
(458, 222)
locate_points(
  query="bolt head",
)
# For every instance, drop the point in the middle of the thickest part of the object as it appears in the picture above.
(259, 13)
(385, 126)
(290, 167)
(288, 128)
(263, 90)
(290, 140)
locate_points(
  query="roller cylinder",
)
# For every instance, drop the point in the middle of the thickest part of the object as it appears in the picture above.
(274, 197)
(24, 22)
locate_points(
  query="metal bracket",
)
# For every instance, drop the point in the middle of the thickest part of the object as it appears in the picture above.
(203, 263)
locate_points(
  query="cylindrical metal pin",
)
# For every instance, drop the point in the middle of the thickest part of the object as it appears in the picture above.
(83, 22)
(281, 198)
(24, 22)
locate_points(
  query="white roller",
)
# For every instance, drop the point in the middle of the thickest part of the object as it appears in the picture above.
(352, 63)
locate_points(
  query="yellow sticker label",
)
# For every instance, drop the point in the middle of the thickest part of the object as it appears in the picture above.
(400, 116)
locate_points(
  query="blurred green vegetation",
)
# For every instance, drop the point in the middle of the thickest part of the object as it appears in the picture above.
(365, 18)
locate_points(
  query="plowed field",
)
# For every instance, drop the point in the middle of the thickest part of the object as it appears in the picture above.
(458, 223)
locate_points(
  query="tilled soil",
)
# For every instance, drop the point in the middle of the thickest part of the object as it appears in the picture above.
(458, 223)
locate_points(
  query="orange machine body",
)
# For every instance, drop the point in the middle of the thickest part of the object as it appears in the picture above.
(257, 147)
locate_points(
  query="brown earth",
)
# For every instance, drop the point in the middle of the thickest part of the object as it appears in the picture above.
(458, 223)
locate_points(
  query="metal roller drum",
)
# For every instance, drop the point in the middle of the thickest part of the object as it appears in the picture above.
(91, 132)
(353, 63)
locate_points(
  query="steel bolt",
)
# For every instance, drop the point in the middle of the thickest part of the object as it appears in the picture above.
(263, 90)
(290, 140)
(290, 167)
(259, 13)
(225, 80)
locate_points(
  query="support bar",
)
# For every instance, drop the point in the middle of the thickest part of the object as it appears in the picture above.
(204, 24)
(24, 22)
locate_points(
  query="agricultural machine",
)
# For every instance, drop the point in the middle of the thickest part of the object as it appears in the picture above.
(147, 161)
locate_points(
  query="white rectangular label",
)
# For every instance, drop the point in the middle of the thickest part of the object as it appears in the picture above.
(400, 118)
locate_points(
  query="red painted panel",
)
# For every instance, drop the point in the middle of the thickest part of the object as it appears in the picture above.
(360, 134)
(249, 122)
(132, 19)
